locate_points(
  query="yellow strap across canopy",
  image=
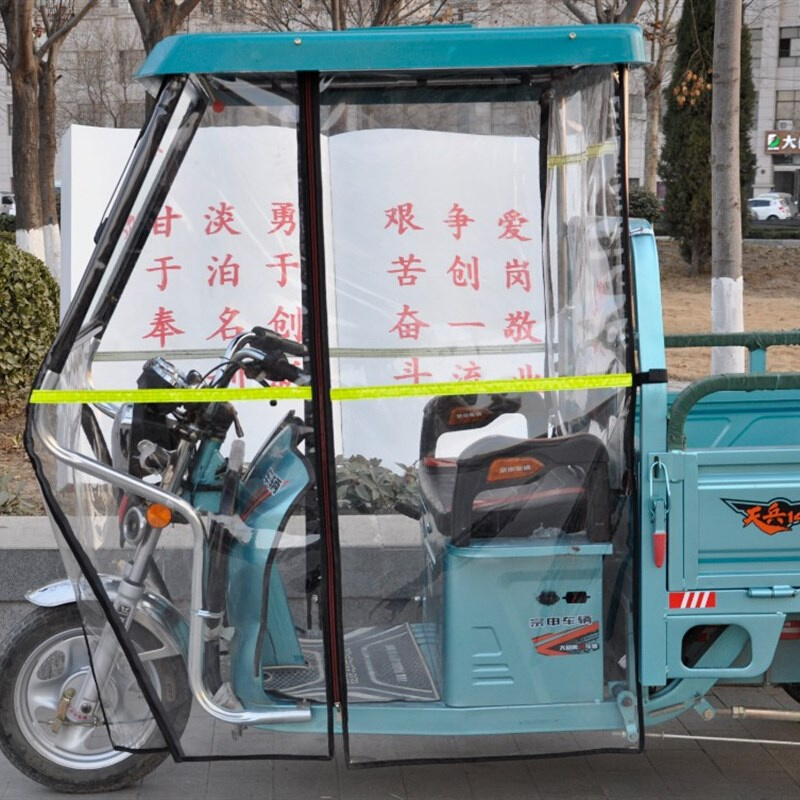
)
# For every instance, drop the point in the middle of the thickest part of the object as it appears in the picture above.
(181, 396)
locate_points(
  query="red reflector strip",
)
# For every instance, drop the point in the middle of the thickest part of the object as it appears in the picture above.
(791, 629)
(692, 600)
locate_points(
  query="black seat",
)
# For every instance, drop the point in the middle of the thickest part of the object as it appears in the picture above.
(505, 486)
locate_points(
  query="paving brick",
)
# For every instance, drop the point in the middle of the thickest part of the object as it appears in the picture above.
(444, 781)
(614, 762)
(628, 786)
(371, 784)
(671, 762)
(305, 780)
(500, 781)
(766, 786)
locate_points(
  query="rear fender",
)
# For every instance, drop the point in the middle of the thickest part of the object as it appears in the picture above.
(153, 612)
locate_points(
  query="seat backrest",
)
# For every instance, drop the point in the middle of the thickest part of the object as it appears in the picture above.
(500, 462)
(451, 413)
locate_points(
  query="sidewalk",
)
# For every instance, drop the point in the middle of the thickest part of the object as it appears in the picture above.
(670, 769)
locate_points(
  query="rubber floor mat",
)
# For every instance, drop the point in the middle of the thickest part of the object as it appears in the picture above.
(381, 664)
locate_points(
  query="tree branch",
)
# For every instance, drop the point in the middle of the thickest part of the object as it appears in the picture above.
(573, 9)
(140, 14)
(629, 12)
(439, 8)
(183, 10)
(64, 30)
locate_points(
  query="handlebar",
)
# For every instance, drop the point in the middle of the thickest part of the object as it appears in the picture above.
(272, 363)
(273, 341)
(261, 353)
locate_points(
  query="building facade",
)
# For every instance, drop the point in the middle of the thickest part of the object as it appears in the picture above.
(775, 31)
(99, 59)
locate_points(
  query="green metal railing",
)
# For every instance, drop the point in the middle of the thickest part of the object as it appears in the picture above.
(757, 379)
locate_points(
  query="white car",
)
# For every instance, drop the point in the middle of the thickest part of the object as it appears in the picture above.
(788, 200)
(769, 208)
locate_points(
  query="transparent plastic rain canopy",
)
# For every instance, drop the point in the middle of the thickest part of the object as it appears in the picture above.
(405, 517)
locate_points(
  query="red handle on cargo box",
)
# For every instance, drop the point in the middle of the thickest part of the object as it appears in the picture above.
(659, 548)
(659, 510)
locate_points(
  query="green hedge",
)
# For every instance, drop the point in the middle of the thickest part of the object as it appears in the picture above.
(773, 232)
(29, 298)
(644, 204)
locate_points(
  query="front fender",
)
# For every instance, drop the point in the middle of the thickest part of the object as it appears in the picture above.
(153, 612)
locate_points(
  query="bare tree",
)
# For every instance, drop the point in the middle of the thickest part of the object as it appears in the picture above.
(588, 12)
(34, 34)
(23, 68)
(97, 86)
(726, 203)
(290, 15)
(658, 20)
(53, 21)
(158, 19)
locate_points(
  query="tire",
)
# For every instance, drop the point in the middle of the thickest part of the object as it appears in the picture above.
(772, 218)
(43, 656)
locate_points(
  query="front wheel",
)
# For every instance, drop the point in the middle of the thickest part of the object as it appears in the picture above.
(43, 657)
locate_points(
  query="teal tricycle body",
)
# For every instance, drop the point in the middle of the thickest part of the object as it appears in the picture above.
(358, 427)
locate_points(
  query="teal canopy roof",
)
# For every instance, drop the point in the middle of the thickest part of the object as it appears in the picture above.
(440, 47)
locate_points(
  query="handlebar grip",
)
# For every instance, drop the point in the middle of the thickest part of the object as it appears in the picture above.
(287, 346)
(283, 370)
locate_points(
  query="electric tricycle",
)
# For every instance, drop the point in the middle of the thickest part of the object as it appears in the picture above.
(356, 428)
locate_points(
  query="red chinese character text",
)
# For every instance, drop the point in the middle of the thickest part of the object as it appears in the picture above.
(286, 324)
(408, 326)
(470, 372)
(465, 273)
(220, 219)
(284, 265)
(283, 217)
(457, 219)
(226, 272)
(405, 275)
(511, 222)
(403, 217)
(518, 274)
(412, 371)
(520, 327)
(164, 268)
(163, 224)
(162, 326)
(226, 330)
(526, 373)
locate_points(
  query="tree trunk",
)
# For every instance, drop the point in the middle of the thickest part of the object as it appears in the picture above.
(336, 15)
(47, 160)
(727, 312)
(158, 19)
(695, 264)
(652, 141)
(25, 152)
